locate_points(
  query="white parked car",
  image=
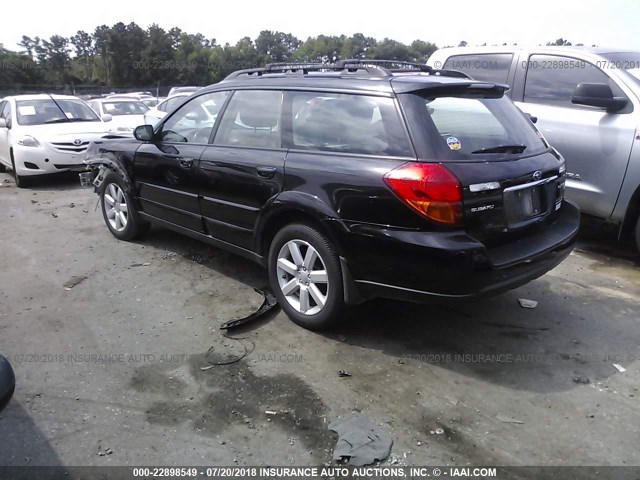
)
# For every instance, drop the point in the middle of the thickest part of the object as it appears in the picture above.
(126, 113)
(154, 115)
(41, 134)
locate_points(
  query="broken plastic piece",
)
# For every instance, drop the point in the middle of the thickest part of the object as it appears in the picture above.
(343, 373)
(269, 303)
(360, 440)
(505, 419)
(526, 303)
(619, 367)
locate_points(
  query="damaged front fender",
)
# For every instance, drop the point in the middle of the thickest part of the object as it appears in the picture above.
(101, 162)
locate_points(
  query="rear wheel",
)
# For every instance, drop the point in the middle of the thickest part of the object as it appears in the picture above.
(119, 212)
(305, 275)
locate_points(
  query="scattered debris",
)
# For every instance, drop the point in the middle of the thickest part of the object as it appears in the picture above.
(267, 305)
(401, 362)
(34, 201)
(506, 419)
(437, 431)
(360, 441)
(54, 215)
(582, 380)
(525, 303)
(72, 205)
(73, 281)
(228, 360)
(146, 264)
(619, 367)
(343, 373)
(342, 338)
(452, 400)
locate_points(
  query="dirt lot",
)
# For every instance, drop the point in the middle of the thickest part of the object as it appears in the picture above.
(109, 370)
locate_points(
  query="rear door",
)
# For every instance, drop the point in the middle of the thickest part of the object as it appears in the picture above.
(243, 169)
(595, 144)
(166, 169)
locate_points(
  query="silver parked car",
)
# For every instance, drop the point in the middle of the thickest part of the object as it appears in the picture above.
(587, 105)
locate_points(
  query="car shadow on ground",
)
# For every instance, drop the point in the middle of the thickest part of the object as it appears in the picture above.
(557, 346)
(55, 181)
(24, 445)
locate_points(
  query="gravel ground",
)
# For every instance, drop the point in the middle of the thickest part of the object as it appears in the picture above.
(109, 370)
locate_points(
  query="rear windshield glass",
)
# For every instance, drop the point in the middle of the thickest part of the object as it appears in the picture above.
(125, 108)
(478, 125)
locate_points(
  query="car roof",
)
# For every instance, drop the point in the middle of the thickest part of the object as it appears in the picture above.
(116, 99)
(451, 51)
(335, 81)
(42, 96)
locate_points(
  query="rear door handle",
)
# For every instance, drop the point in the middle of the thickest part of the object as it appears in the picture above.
(266, 172)
(186, 162)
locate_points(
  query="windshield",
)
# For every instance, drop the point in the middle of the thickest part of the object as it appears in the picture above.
(627, 61)
(45, 111)
(121, 107)
(483, 126)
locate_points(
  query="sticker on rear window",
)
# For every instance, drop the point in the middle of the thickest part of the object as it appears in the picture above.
(454, 143)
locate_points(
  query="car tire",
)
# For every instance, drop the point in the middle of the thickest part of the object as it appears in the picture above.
(21, 181)
(119, 211)
(3, 168)
(306, 278)
(638, 233)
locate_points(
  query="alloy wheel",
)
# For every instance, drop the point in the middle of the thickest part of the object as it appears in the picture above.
(115, 206)
(302, 277)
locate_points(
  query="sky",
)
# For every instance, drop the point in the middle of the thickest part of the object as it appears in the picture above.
(611, 23)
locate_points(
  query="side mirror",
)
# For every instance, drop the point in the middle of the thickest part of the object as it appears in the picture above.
(597, 95)
(107, 117)
(3, 123)
(532, 118)
(144, 133)
(7, 382)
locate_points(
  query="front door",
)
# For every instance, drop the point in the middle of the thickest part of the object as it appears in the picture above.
(595, 144)
(166, 168)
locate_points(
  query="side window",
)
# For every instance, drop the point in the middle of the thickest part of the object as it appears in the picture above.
(551, 80)
(252, 119)
(347, 123)
(192, 122)
(492, 67)
(5, 111)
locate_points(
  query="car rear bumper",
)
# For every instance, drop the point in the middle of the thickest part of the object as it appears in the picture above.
(444, 266)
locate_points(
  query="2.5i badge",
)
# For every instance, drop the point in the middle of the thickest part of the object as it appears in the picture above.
(454, 143)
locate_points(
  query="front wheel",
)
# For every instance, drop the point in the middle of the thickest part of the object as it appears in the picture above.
(119, 211)
(305, 275)
(21, 181)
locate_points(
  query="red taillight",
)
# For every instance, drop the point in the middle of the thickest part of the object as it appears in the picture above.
(429, 188)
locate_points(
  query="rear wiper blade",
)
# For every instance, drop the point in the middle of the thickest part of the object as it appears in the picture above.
(502, 149)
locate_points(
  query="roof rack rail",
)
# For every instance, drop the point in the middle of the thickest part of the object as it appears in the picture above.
(374, 68)
(401, 66)
(305, 67)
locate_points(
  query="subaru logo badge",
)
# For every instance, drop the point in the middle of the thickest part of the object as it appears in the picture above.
(77, 142)
(537, 175)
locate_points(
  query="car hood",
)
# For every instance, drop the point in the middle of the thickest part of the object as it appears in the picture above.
(66, 130)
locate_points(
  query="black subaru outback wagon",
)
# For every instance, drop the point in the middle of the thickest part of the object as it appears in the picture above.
(347, 182)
